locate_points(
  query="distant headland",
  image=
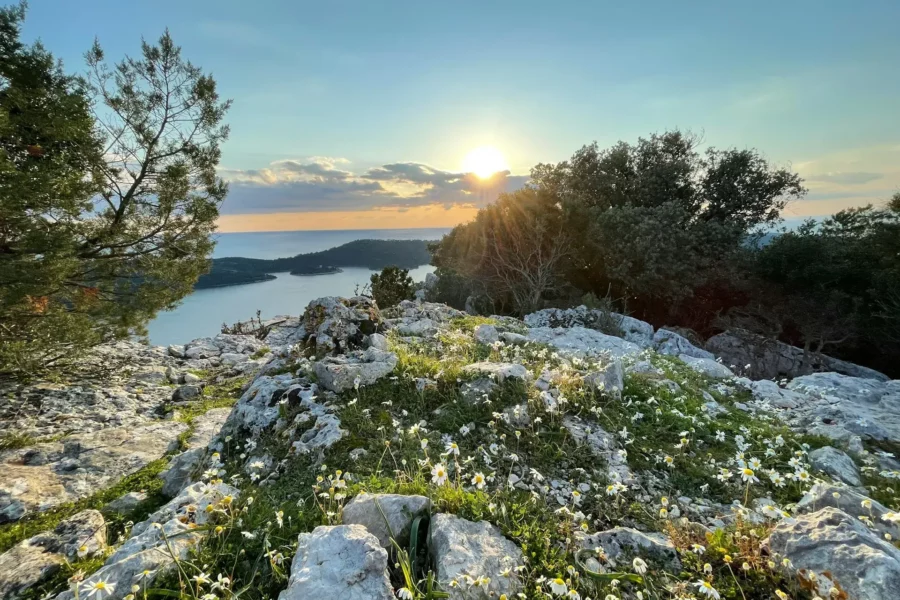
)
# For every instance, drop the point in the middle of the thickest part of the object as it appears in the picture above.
(371, 254)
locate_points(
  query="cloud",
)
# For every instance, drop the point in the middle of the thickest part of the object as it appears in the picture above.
(847, 178)
(325, 184)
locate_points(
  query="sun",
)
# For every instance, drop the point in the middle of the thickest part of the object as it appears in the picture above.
(484, 162)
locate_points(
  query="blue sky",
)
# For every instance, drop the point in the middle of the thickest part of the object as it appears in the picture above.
(325, 92)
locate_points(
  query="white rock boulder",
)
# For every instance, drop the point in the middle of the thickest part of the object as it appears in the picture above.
(461, 548)
(343, 562)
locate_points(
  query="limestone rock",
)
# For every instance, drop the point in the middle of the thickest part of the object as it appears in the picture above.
(32, 561)
(850, 501)
(339, 373)
(578, 341)
(126, 503)
(397, 509)
(183, 470)
(610, 380)
(343, 562)
(835, 463)
(759, 357)
(486, 334)
(206, 426)
(635, 331)
(865, 407)
(624, 543)
(841, 551)
(706, 366)
(378, 341)
(186, 393)
(79, 465)
(498, 371)
(669, 342)
(341, 324)
(431, 281)
(257, 408)
(461, 547)
(147, 548)
(420, 328)
(514, 339)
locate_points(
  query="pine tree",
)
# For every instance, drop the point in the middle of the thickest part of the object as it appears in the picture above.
(108, 195)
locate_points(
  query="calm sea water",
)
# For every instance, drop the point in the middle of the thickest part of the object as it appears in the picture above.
(202, 313)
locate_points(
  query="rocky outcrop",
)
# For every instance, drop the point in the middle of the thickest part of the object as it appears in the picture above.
(609, 380)
(840, 406)
(386, 516)
(463, 549)
(47, 475)
(842, 553)
(167, 534)
(759, 357)
(852, 502)
(344, 561)
(836, 463)
(582, 342)
(339, 373)
(669, 342)
(36, 559)
(707, 367)
(486, 334)
(336, 325)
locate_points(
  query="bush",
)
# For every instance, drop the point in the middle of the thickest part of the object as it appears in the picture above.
(392, 286)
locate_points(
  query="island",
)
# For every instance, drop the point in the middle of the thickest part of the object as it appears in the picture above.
(369, 254)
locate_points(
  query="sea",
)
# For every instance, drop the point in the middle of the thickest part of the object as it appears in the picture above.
(203, 312)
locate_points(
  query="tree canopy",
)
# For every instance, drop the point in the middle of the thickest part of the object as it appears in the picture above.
(108, 194)
(671, 234)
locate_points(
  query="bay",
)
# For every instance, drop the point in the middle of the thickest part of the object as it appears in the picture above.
(202, 313)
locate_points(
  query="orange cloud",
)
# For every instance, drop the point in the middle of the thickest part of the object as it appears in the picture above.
(431, 215)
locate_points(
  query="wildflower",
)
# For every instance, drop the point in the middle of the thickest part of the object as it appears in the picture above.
(748, 475)
(478, 480)
(99, 588)
(640, 567)
(867, 504)
(452, 449)
(707, 568)
(404, 594)
(670, 462)
(257, 464)
(782, 595)
(786, 563)
(720, 436)
(698, 549)
(249, 535)
(706, 588)
(439, 474)
(663, 513)
(558, 586)
(202, 579)
(279, 517)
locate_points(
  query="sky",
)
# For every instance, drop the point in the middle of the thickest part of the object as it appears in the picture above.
(359, 114)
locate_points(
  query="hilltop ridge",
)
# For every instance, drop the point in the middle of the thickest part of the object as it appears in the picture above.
(570, 454)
